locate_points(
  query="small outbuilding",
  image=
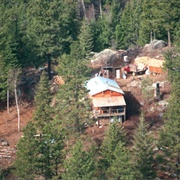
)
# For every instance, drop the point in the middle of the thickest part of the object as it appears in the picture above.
(108, 103)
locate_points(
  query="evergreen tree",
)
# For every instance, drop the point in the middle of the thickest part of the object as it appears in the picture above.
(27, 154)
(169, 136)
(169, 15)
(103, 32)
(85, 39)
(9, 42)
(81, 163)
(1, 174)
(43, 112)
(51, 150)
(143, 153)
(116, 10)
(74, 107)
(150, 24)
(114, 135)
(50, 26)
(121, 167)
(122, 31)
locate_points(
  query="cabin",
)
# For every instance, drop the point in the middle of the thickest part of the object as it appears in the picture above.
(108, 103)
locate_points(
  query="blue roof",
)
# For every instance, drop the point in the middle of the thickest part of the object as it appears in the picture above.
(99, 84)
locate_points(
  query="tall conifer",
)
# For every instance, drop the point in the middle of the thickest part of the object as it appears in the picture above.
(121, 168)
(81, 163)
(143, 153)
(43, 112)
(169, 144)
(74, 107)
(114, 135)
(26, 164)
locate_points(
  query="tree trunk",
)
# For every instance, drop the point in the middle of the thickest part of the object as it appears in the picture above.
(8, 101)
(84, 9)
(93, 12)
(100, 7)
(17, 105)
(154, 35)
(169, 38)
(151, 38)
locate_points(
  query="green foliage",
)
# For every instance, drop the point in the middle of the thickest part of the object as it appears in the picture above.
(113, 136)
(27, 154)
(51, 145)
(128, 31)
(3, 80)
(169, 136)
(81, 163)
(74, 107)
(120, 167)
(85, 39)
(1, 174)
(102, 33)
(157, 19)
(50, 28)
(42, 154)
(150, 23)
(43, 112)
(143, 153)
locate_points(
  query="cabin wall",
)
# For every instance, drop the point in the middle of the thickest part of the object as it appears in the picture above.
(107, 93)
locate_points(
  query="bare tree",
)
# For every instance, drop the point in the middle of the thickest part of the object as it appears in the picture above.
(13, 77)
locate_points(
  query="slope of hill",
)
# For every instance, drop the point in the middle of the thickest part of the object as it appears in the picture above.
(134, 99)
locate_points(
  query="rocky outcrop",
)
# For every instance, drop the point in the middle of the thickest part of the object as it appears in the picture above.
(113, 57)
(156, 44)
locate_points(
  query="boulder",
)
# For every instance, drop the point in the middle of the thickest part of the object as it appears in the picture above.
(113, 57)
(105, 57)
(156, 44)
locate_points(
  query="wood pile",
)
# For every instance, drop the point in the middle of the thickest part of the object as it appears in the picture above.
(154, 65)
(149, 61)
(6, 152)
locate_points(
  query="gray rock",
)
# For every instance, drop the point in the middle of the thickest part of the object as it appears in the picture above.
(4, 142)
(156, 44)
(163, 103)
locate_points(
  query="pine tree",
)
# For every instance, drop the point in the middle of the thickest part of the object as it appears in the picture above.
(169, 136)
(114, 135)
(27, 154)
(81, 163)
(50, 24)
(43, 112)
(104, 35)
(74, 107)
(85, 39)
(122, 31)
(169, 15)
(121, 167)
(51, 150)
(150, 24)
(9, 43)
(143, 153)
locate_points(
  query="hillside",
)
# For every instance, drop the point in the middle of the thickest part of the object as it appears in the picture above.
(134, 99)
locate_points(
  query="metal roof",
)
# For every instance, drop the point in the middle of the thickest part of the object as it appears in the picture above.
(109, 101)
(99, 84)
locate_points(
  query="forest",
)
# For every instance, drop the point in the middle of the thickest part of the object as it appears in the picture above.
(61, 34)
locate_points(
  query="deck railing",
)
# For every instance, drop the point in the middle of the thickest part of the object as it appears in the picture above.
(108, 112)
